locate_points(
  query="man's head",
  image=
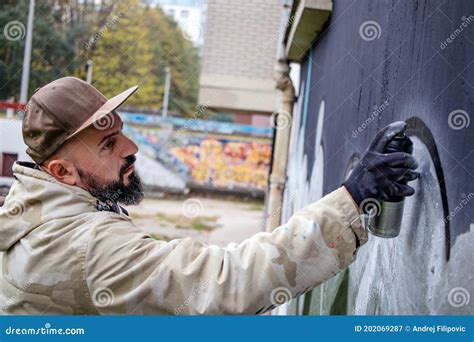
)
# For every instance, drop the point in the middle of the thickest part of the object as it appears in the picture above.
(74, 134)
(100, 161)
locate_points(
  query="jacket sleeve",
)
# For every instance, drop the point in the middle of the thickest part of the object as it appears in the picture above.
(128, 272)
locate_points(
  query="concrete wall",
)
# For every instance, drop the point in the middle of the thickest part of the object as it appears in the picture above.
(378, 62)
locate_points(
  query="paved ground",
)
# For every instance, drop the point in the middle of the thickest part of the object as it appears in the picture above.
(212, 221)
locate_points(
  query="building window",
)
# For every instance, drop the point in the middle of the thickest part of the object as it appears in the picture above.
(184, 14)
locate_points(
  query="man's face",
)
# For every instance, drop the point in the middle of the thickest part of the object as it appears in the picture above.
(102, 161)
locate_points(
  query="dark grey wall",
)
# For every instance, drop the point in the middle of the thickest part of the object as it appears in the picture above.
(380, 61)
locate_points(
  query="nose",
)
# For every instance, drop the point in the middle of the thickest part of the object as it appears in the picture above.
(129, 147)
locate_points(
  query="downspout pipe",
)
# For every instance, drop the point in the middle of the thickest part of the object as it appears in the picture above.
(282, 119)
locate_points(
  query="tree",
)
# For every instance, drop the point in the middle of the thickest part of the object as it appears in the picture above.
(122, 56)
(53, 55)
(173, 50)
(129, 44)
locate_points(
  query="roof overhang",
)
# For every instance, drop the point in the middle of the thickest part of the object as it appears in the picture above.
(306, 23)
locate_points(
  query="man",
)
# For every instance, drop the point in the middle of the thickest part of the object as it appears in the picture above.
(69, 248)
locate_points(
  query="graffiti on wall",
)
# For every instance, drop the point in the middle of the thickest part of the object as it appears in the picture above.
(213, 161)
(226, 164)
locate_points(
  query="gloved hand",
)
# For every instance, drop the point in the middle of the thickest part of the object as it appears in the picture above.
(383, 176)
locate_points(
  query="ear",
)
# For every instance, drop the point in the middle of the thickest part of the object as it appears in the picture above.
(64, 171)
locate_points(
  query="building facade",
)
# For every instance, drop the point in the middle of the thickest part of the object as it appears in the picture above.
(238, 59)
(190, 15)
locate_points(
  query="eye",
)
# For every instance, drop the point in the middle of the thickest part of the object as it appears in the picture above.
(109, 144)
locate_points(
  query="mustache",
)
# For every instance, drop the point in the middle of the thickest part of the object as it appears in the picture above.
(129, 161)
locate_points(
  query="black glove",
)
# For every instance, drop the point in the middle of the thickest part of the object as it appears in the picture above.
(383, 176)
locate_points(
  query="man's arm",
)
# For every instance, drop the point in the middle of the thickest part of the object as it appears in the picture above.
(128, 272)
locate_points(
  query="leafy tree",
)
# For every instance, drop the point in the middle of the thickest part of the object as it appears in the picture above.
(122, 56)
(128, 43)
(180, 55)
(52, 54)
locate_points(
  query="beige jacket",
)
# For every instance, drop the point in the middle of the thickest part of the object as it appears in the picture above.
(62, 253)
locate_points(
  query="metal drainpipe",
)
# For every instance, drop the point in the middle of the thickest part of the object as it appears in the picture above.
(282, 139)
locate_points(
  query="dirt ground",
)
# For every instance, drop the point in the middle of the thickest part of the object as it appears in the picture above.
(211, 221)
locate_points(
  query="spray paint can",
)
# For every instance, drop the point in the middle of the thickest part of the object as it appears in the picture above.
(386, 221)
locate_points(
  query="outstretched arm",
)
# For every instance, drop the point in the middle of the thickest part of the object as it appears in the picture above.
(128, 272)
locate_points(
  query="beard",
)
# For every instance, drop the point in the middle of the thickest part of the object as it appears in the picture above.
(115, 191)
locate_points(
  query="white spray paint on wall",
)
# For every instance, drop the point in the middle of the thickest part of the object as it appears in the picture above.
(300, 192)
(409, 274)
(405, 275)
